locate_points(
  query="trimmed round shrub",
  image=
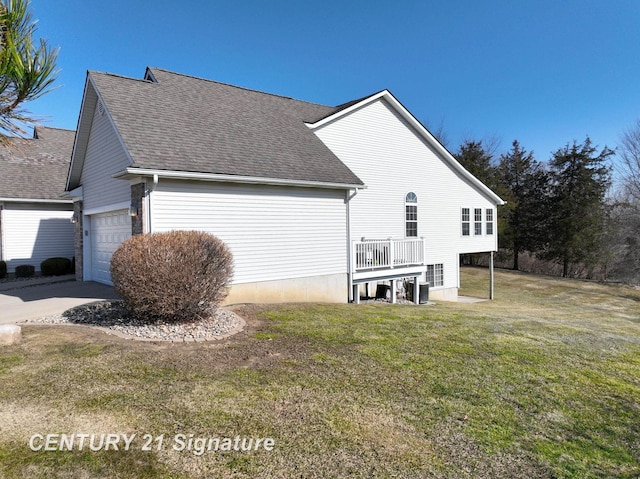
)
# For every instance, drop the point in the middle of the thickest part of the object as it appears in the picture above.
(55, 266)
(25, 271)
(3, 269)
(179, 276)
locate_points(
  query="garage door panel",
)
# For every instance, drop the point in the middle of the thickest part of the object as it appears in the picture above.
(109, 230)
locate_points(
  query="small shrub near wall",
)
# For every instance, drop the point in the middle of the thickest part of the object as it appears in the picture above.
(3, 269)
(25, 271)
(55, 266)
(177, 276)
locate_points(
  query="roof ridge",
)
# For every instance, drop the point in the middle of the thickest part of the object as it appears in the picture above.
(54, 128)
(116, 75)
(253, 90)
(348, 104)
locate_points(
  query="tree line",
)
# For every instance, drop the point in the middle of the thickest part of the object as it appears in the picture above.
(564, 211)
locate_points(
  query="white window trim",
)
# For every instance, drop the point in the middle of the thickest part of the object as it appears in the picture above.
(489, 222)
(437, 274)
(413, 201)
(477, 223)
(463, 222)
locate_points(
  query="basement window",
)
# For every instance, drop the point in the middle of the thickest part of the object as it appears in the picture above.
(435, 275)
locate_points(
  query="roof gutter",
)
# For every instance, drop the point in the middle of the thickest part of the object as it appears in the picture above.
(34, 200)
(133, 172)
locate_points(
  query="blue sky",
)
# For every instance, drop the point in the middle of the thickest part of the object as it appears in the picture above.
(543, 72)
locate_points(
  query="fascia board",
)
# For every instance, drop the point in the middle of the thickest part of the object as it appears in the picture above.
(421, 130)
(87, 109)
(34, 200)
(188, 175)
(87, 113)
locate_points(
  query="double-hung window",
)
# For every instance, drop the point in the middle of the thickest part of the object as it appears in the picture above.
(466, 225)
(477, 221)
(489, 218)
(435, 274)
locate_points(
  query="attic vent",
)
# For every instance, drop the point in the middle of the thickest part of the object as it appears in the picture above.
(148, 76)
(100, 108)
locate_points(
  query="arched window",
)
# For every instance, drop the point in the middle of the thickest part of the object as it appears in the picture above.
(411, 214)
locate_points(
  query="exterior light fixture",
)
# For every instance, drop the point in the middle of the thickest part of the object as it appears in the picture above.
(133, 210)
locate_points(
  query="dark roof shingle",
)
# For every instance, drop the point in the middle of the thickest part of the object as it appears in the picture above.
(183, 123)
(36, 168)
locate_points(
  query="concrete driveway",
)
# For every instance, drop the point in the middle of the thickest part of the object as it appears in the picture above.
(23, 302)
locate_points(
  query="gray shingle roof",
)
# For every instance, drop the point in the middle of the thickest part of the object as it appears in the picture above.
(36, 168)
(182, 123)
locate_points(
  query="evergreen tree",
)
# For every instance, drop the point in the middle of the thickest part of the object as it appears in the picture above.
(478, 161)
(27, 70)
(524, 185)
(580, 179)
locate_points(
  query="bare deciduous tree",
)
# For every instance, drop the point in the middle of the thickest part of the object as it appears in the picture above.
(629, 153)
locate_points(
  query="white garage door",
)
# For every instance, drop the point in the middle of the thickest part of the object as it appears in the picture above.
(108, 231)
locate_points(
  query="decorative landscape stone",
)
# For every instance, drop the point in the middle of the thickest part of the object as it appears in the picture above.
(10, 334)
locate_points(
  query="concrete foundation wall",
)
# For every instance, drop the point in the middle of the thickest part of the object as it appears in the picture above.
(327, 289)
(444, 294)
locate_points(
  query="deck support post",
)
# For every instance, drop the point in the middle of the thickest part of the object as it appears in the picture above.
(491, 275)
(393, 291)
(416, 290)
(356, 293)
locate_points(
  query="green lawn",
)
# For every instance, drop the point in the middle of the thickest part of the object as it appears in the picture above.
(542, 382)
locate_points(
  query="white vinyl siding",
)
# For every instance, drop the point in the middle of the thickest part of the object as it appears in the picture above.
(388, 155)
(105, 156)
(32, 235)
(273, 232)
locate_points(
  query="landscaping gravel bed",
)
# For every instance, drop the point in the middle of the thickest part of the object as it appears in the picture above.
(116, 319)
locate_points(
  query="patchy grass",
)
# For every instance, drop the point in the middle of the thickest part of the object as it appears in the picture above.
(543, 382)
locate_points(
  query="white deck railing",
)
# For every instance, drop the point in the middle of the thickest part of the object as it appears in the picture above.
(386, 254)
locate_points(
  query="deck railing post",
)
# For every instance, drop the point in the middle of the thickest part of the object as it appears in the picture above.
(354, 261)
(369, 254)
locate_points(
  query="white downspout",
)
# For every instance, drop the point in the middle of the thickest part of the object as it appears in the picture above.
(348, 198)
(1, 232)
(149, 203)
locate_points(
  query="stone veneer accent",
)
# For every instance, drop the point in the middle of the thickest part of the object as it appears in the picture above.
(1, 252)
(78, 239)
(137, 200)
